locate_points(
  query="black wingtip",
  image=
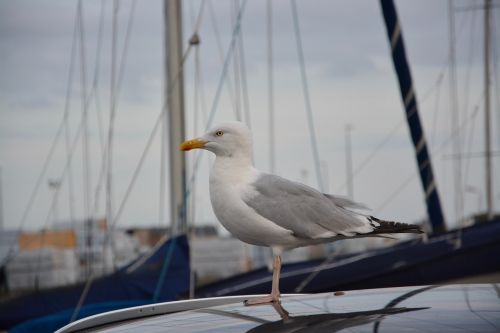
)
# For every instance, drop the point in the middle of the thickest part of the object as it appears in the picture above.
(391, 227)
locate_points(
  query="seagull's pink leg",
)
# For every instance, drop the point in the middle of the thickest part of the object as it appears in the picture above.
(274, 296)
(275, 288)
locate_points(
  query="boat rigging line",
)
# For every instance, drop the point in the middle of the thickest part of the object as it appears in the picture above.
(244, 82)
(199, 102)
(270, 88)
(236, 67)
(307, 99)
(435, 152)
(382, 143)
(95, 81)
(112, 115)
(455, 117)
(191, 216)
(435, 87)
(115, 87)
(69, 88)
(189, 185)
(215, 102)
(435, 113)
(85, 141)
(475, 112)
(95, 92)
(152, 135)
(487, 124)
(10, 254)
(149, 141)
(228, 80)
(471, 47)
(1, 201)
(112, 223)
(495, 45)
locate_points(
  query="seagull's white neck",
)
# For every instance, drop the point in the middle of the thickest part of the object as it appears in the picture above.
(235, 169)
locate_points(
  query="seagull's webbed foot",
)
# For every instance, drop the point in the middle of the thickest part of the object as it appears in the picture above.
(269, 299)
(274, 296)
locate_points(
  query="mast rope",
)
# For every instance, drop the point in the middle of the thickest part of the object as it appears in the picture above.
(67, 146)
(436, 86)
(95, 82)
(236, 65)
(215, 28)
(69, 88)
(244, 82)
(135, 175)
(217, 93)
(85, 139)
(189, 186)
(149, 140)
(112, 115)
(95, 92)
(49, 155)
(436, 151)
(51, 151)
(270, 80)
(466, 91)
(115, 90)
(307, 99)
(496, 77)
(469, 143)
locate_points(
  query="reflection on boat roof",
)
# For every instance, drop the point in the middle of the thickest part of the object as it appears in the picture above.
(453, 308)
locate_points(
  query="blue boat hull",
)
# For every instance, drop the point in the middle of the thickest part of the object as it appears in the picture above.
(47, 310)
(459, 254)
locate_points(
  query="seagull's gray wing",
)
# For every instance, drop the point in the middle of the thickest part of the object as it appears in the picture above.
(302, 209)
(345, 202)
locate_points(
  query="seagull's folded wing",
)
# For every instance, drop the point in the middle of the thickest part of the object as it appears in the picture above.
(303, 210)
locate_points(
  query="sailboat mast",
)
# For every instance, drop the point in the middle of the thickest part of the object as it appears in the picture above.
(408, 96)
(487, 126)
(174, 93)
(1, 201)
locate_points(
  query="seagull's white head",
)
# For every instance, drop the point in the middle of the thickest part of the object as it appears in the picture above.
(230, 139)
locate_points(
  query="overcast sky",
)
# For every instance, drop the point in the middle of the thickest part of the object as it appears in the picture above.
(351, 81)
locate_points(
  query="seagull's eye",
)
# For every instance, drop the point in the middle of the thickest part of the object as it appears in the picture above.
(219, 133)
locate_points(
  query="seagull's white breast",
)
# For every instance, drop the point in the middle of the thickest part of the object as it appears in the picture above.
(229, 183)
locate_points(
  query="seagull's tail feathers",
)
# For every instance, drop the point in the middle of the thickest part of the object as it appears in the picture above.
(391, 227)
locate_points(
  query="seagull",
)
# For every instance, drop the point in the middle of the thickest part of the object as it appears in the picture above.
(267, 210)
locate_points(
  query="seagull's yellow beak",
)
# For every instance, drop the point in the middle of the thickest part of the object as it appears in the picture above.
(192, 144)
